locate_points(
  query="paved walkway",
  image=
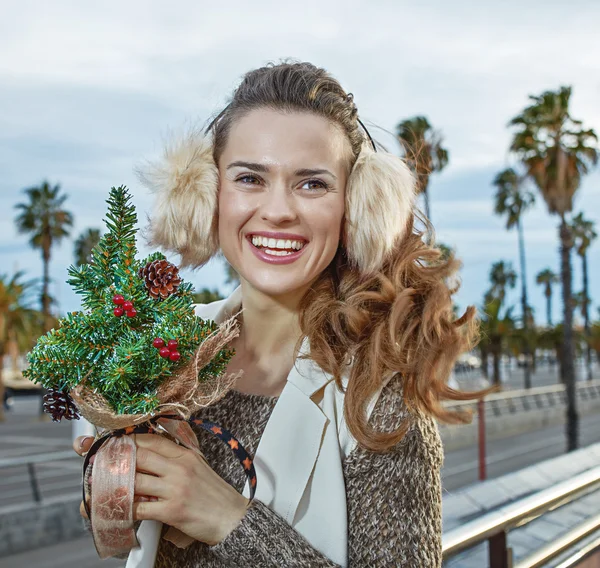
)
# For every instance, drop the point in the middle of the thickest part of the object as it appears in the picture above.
(24, 434)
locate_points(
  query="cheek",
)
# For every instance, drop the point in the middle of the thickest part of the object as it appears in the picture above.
(326, 219)
(234, 210)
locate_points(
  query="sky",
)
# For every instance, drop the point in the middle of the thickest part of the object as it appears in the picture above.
(90, 90)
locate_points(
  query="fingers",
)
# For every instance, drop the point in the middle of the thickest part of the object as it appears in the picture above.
(147, 510)
(82, 511)
(82, 444)
(149, 486)
(161, 445)
(148, 461)
(143, 498)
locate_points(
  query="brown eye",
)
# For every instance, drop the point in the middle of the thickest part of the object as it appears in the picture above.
(320, 185)
(248, 177)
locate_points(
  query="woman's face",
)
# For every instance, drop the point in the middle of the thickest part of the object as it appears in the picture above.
(281, 198)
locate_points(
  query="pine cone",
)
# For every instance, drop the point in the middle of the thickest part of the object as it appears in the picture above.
(60, 405)
(161, 278)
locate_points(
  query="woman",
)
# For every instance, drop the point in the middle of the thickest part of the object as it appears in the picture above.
(347, 339)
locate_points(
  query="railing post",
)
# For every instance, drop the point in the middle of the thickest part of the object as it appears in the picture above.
(34, 484)
(481, 430)
(500, 554)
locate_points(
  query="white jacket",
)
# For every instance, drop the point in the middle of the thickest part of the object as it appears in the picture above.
(299, 457)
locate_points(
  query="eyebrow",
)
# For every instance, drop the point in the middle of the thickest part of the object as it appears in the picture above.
(261, 168)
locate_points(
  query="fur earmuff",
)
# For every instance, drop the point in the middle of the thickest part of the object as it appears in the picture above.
(380, 195)
(185, 183)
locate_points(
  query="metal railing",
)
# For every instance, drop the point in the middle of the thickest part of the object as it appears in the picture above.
(31, 461)
(529, 399)
(494, 527)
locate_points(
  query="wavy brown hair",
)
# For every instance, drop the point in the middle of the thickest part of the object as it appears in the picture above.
(396, 324)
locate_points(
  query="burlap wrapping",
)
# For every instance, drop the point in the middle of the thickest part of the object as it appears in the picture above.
(181, 393)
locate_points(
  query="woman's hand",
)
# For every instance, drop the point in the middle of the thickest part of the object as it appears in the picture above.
(176, 486)
(190, 496)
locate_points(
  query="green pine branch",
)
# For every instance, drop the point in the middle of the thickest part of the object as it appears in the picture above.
(115, 355)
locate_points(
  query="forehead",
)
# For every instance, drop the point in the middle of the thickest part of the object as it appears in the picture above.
(294, 138)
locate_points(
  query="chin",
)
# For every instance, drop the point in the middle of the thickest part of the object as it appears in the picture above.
(276, 285)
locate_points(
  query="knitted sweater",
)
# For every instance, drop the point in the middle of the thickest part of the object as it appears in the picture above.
(394, 498)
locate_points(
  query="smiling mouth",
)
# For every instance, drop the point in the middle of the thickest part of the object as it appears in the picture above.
(277, 247)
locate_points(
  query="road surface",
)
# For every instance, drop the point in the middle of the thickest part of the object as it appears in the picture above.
(23, 434)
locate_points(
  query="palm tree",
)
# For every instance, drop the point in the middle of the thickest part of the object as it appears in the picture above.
(496, 328)
(512, 200)
(502, 277)
(546, 278)
(552, 338)
(584, 233)
(423, 151)
(17, 320)
(44, 218)
(557, 152)
(84, 245)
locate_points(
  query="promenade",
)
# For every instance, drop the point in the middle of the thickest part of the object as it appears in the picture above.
(23, 434)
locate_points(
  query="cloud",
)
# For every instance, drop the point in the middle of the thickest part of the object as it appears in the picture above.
(88, 90)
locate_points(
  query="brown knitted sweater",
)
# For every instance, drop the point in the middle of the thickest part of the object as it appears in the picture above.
(394, 499)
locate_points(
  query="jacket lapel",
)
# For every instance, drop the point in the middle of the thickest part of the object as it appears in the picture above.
(298, 459)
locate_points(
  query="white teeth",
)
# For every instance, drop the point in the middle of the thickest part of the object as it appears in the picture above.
(276, 244)
(277, 252)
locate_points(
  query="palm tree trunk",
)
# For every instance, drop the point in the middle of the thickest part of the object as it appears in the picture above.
(558, 347)
(549, 309)
(484, 361)
(496, 349)
(524, 304)
(496, 359)
(46, 284)
(586, 317)
(426, 201)
(568, 368)
(45, 304)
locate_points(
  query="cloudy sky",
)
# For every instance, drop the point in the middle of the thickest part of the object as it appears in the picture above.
(87, 90)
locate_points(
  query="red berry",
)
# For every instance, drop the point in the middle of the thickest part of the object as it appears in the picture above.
(174, 355)
(118, 299)
(164, 352)
(131, 313)
(158, 343)
(127, 306)
(118, 311)
(172, 344)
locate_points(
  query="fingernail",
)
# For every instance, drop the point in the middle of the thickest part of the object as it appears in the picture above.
(84, 440)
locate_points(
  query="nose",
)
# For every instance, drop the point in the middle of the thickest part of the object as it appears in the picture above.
(278, 206)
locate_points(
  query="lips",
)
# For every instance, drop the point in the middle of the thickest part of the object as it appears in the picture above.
(273, 259)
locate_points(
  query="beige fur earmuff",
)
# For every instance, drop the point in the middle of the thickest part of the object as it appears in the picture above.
(185, 182)
(380, 195)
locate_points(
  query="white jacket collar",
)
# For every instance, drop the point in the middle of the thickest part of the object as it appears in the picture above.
(298, 460)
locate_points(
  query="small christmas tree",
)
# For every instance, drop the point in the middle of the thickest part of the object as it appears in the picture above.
(138, 329)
